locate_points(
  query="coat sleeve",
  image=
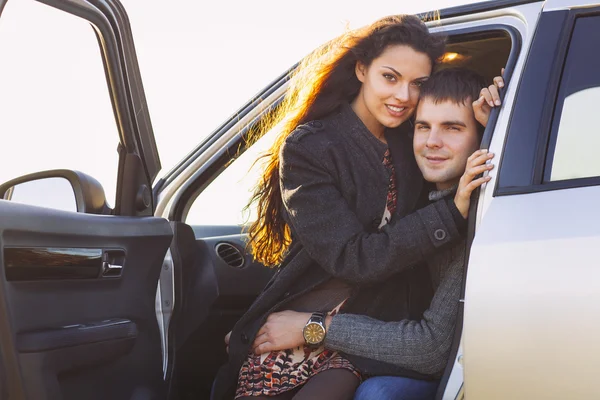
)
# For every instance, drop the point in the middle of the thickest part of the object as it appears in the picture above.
(421, 346)
(333, 236)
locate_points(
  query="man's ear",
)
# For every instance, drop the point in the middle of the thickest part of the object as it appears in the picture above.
(361, 71)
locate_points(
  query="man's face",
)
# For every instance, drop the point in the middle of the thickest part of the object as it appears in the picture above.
(445, 136)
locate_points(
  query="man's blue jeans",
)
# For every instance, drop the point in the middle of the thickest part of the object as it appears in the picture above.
(396, 388)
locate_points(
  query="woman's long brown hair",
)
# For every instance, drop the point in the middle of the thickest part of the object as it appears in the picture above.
(323, 81)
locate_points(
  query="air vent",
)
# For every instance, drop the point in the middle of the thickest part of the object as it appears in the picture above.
(230, 254)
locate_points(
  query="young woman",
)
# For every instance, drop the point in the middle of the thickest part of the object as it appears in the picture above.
(334, 208)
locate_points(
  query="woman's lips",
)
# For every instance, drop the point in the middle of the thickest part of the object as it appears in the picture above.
(396, 111)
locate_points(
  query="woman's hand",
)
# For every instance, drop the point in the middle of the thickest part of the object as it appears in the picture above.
(476, 164)
(489, 98)
(282, 330)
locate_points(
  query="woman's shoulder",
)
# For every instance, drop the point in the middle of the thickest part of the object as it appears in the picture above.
(315, 136)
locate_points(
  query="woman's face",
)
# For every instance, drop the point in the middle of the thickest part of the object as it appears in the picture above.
(390, 87)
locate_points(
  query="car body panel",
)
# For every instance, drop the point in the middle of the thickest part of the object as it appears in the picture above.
(530, 284)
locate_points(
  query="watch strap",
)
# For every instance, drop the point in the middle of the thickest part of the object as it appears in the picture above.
(317, 317)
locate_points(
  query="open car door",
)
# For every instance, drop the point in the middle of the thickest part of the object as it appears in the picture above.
(78, 288)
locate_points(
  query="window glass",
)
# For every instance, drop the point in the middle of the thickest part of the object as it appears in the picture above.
(56, 108)
(57, 193)
(224, 200)
(576, 129)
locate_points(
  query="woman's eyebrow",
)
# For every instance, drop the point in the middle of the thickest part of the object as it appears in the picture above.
(393, 70)
(423, 78)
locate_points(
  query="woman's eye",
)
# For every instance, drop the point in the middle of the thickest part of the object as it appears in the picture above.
(417, 83)
(389, 77)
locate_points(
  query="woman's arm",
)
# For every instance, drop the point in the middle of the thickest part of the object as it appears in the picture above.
(333, 236)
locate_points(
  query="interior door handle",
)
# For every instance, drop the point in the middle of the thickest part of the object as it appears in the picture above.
(111, 270)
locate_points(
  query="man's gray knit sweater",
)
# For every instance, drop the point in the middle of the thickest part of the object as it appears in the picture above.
(422, 346)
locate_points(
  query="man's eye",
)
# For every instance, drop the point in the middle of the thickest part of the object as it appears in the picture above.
(453, 128)
(422, 127)
(389, 77)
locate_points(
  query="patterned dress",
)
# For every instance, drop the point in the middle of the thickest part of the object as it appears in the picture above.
(277, 372)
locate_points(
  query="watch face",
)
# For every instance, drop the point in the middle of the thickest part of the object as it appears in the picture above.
(314, 333)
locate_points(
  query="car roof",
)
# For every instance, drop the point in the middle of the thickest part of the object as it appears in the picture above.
(475, 7)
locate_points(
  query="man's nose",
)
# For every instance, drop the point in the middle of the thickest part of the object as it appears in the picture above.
(434, 139)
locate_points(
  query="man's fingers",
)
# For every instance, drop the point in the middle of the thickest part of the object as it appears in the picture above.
(479, 101)
(262, 330)
(476, 154)
(260, 339)
(476, 183)
(263, 348)
(495, 95)
(485, 92)
(502, 72)
(473, 172)
(480, 160)
(227, 337)
(499, 81)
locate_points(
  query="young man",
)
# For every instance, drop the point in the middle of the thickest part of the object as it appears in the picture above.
(446, 138)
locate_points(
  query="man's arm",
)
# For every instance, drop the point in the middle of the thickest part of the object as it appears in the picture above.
(422, 346)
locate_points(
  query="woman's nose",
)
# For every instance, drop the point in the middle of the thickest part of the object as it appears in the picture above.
(403, 93)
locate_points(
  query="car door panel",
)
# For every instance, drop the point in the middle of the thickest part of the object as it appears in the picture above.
(76, 335)
(203, 351)
(196, 286)
(69, 327)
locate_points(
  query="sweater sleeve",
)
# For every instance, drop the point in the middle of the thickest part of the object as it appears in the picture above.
(333, 236)
(421, 346)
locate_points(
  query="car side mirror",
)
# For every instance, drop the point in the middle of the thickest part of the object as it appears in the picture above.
(61, 189)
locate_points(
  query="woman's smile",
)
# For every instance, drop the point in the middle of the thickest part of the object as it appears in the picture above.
(396, 111)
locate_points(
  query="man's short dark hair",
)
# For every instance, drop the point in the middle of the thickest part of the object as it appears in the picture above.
(458, 85)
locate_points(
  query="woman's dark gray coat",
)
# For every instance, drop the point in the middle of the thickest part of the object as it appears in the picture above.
(334, 188)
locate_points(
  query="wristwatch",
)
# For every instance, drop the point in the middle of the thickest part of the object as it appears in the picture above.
(314, 330)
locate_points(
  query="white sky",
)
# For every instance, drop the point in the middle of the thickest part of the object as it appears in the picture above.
(200, 62)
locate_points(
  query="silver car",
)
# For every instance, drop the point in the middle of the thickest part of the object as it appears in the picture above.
(132, 300)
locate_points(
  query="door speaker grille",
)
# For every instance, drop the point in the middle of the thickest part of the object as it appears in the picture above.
(230, 254)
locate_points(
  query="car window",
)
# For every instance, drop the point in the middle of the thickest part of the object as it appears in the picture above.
(224, 200)
(575, 137)
(56, 108)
